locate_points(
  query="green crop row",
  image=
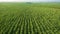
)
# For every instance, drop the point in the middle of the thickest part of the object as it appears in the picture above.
(22, 18)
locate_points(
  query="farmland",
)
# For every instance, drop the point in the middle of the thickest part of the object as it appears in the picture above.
(33, 18)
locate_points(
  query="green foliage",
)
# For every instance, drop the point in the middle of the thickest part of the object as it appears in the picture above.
(22, 18)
